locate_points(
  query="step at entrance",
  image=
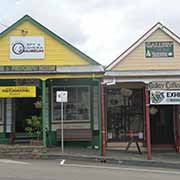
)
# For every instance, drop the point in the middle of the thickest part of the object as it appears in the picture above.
(22, 138)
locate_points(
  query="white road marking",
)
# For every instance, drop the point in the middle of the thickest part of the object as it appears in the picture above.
(124, 168)
(13, 162)
(62, 162)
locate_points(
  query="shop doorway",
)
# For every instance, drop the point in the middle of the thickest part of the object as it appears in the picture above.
(162, 126)
(24, 108)
(124, 113)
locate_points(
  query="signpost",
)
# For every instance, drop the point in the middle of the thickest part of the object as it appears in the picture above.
(61, 96)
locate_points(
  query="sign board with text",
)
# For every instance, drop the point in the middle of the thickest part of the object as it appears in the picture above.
(17, 91)
(163, 49)
(162, 85)
(27, 47)
(163, 97)
(61, 96)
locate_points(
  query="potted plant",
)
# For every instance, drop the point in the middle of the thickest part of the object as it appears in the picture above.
(34, 129)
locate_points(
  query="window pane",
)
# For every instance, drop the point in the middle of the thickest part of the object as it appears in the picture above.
(78, 106)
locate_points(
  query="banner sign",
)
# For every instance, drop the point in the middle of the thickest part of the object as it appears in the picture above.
(164, 85)
(164, 97)
(26, 47)
(17, 91)
(162, 49)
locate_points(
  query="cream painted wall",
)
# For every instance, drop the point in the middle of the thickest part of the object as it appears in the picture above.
(136, 60)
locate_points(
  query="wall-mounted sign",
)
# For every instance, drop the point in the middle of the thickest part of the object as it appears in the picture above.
(164, 85)
(27, 47)
(17, 91)
(162, 49)
(164, 97)
(27, 69)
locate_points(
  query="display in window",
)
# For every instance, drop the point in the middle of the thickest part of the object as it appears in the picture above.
(78, 106)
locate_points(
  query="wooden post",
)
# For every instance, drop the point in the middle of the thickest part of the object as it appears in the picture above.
(44, 111)
(103, 121)
(148, 128)
(100, 119)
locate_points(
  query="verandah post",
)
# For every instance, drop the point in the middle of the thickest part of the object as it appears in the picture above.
(100, 119)
(44, 111)
(103, 121)
(148, 128)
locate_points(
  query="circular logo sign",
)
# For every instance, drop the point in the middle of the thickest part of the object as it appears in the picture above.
(18, 48)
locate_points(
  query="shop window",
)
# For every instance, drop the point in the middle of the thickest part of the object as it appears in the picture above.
(78, 106)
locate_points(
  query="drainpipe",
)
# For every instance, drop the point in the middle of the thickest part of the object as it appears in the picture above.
(148, 130)
(44, 111)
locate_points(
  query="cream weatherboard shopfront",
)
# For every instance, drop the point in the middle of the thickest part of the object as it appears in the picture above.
(149, 68)
(35, 63)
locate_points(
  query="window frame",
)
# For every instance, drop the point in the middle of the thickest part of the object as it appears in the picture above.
(70, 86)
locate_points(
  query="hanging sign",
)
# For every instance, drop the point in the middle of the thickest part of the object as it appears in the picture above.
(159, 49)
(26, 47)
(17, 91)
(164, 97)
(61, 96)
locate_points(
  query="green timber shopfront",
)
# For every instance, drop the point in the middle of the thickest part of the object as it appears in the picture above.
(29, 80)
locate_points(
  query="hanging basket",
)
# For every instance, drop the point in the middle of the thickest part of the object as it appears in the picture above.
(153, 110)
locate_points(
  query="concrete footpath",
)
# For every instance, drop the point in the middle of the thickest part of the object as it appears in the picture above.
(161, 159)
(168, 159)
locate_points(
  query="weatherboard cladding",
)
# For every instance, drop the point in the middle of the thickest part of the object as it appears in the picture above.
(57, 51)
(135, 59)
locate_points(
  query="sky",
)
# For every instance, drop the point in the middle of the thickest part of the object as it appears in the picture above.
(102, 29)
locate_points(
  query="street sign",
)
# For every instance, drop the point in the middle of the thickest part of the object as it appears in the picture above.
(61, 96)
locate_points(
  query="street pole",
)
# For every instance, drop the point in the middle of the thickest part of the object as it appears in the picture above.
(62, 129)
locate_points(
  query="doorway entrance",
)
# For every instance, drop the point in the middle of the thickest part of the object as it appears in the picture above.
(24, 108)
(162, 125)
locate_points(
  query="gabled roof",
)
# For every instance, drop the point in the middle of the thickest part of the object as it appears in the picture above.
(52, 34)
(141, 40)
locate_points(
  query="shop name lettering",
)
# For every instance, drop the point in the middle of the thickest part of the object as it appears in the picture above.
(10, 90)
(164, 85)
(19, 48)
(172, 94)
(159, 44)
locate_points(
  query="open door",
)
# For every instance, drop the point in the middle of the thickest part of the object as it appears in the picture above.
(24, 108)
(162, 125)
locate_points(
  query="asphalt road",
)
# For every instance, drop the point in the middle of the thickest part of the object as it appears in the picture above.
(53, 170)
